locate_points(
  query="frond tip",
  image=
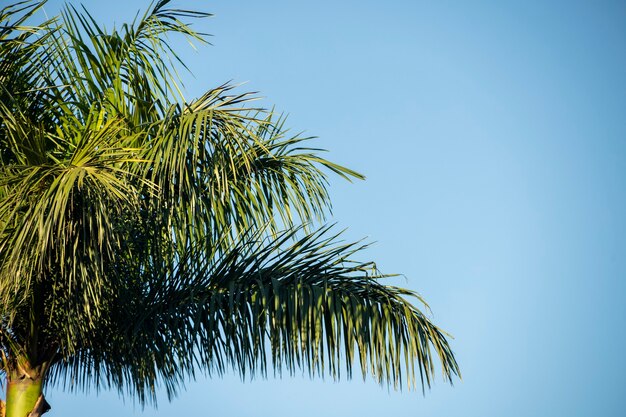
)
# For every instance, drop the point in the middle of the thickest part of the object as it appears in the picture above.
(313, 307)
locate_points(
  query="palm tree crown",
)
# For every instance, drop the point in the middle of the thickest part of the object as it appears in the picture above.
(143, 236)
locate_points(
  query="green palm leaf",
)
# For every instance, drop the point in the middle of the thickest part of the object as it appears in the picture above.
(144, 237)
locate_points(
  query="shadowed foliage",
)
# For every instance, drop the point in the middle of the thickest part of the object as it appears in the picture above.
(144, 237)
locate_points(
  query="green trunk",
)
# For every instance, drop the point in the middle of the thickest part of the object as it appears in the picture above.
(22, 396)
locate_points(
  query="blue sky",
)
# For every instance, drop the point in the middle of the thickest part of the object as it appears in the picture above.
(493, 138)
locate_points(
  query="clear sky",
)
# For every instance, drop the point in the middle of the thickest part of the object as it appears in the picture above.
(493, 136)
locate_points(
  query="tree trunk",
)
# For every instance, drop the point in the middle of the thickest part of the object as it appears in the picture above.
(24, 396)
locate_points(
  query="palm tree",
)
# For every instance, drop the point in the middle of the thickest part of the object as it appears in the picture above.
(143, 236)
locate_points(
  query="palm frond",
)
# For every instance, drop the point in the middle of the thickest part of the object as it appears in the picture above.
(293, 305)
